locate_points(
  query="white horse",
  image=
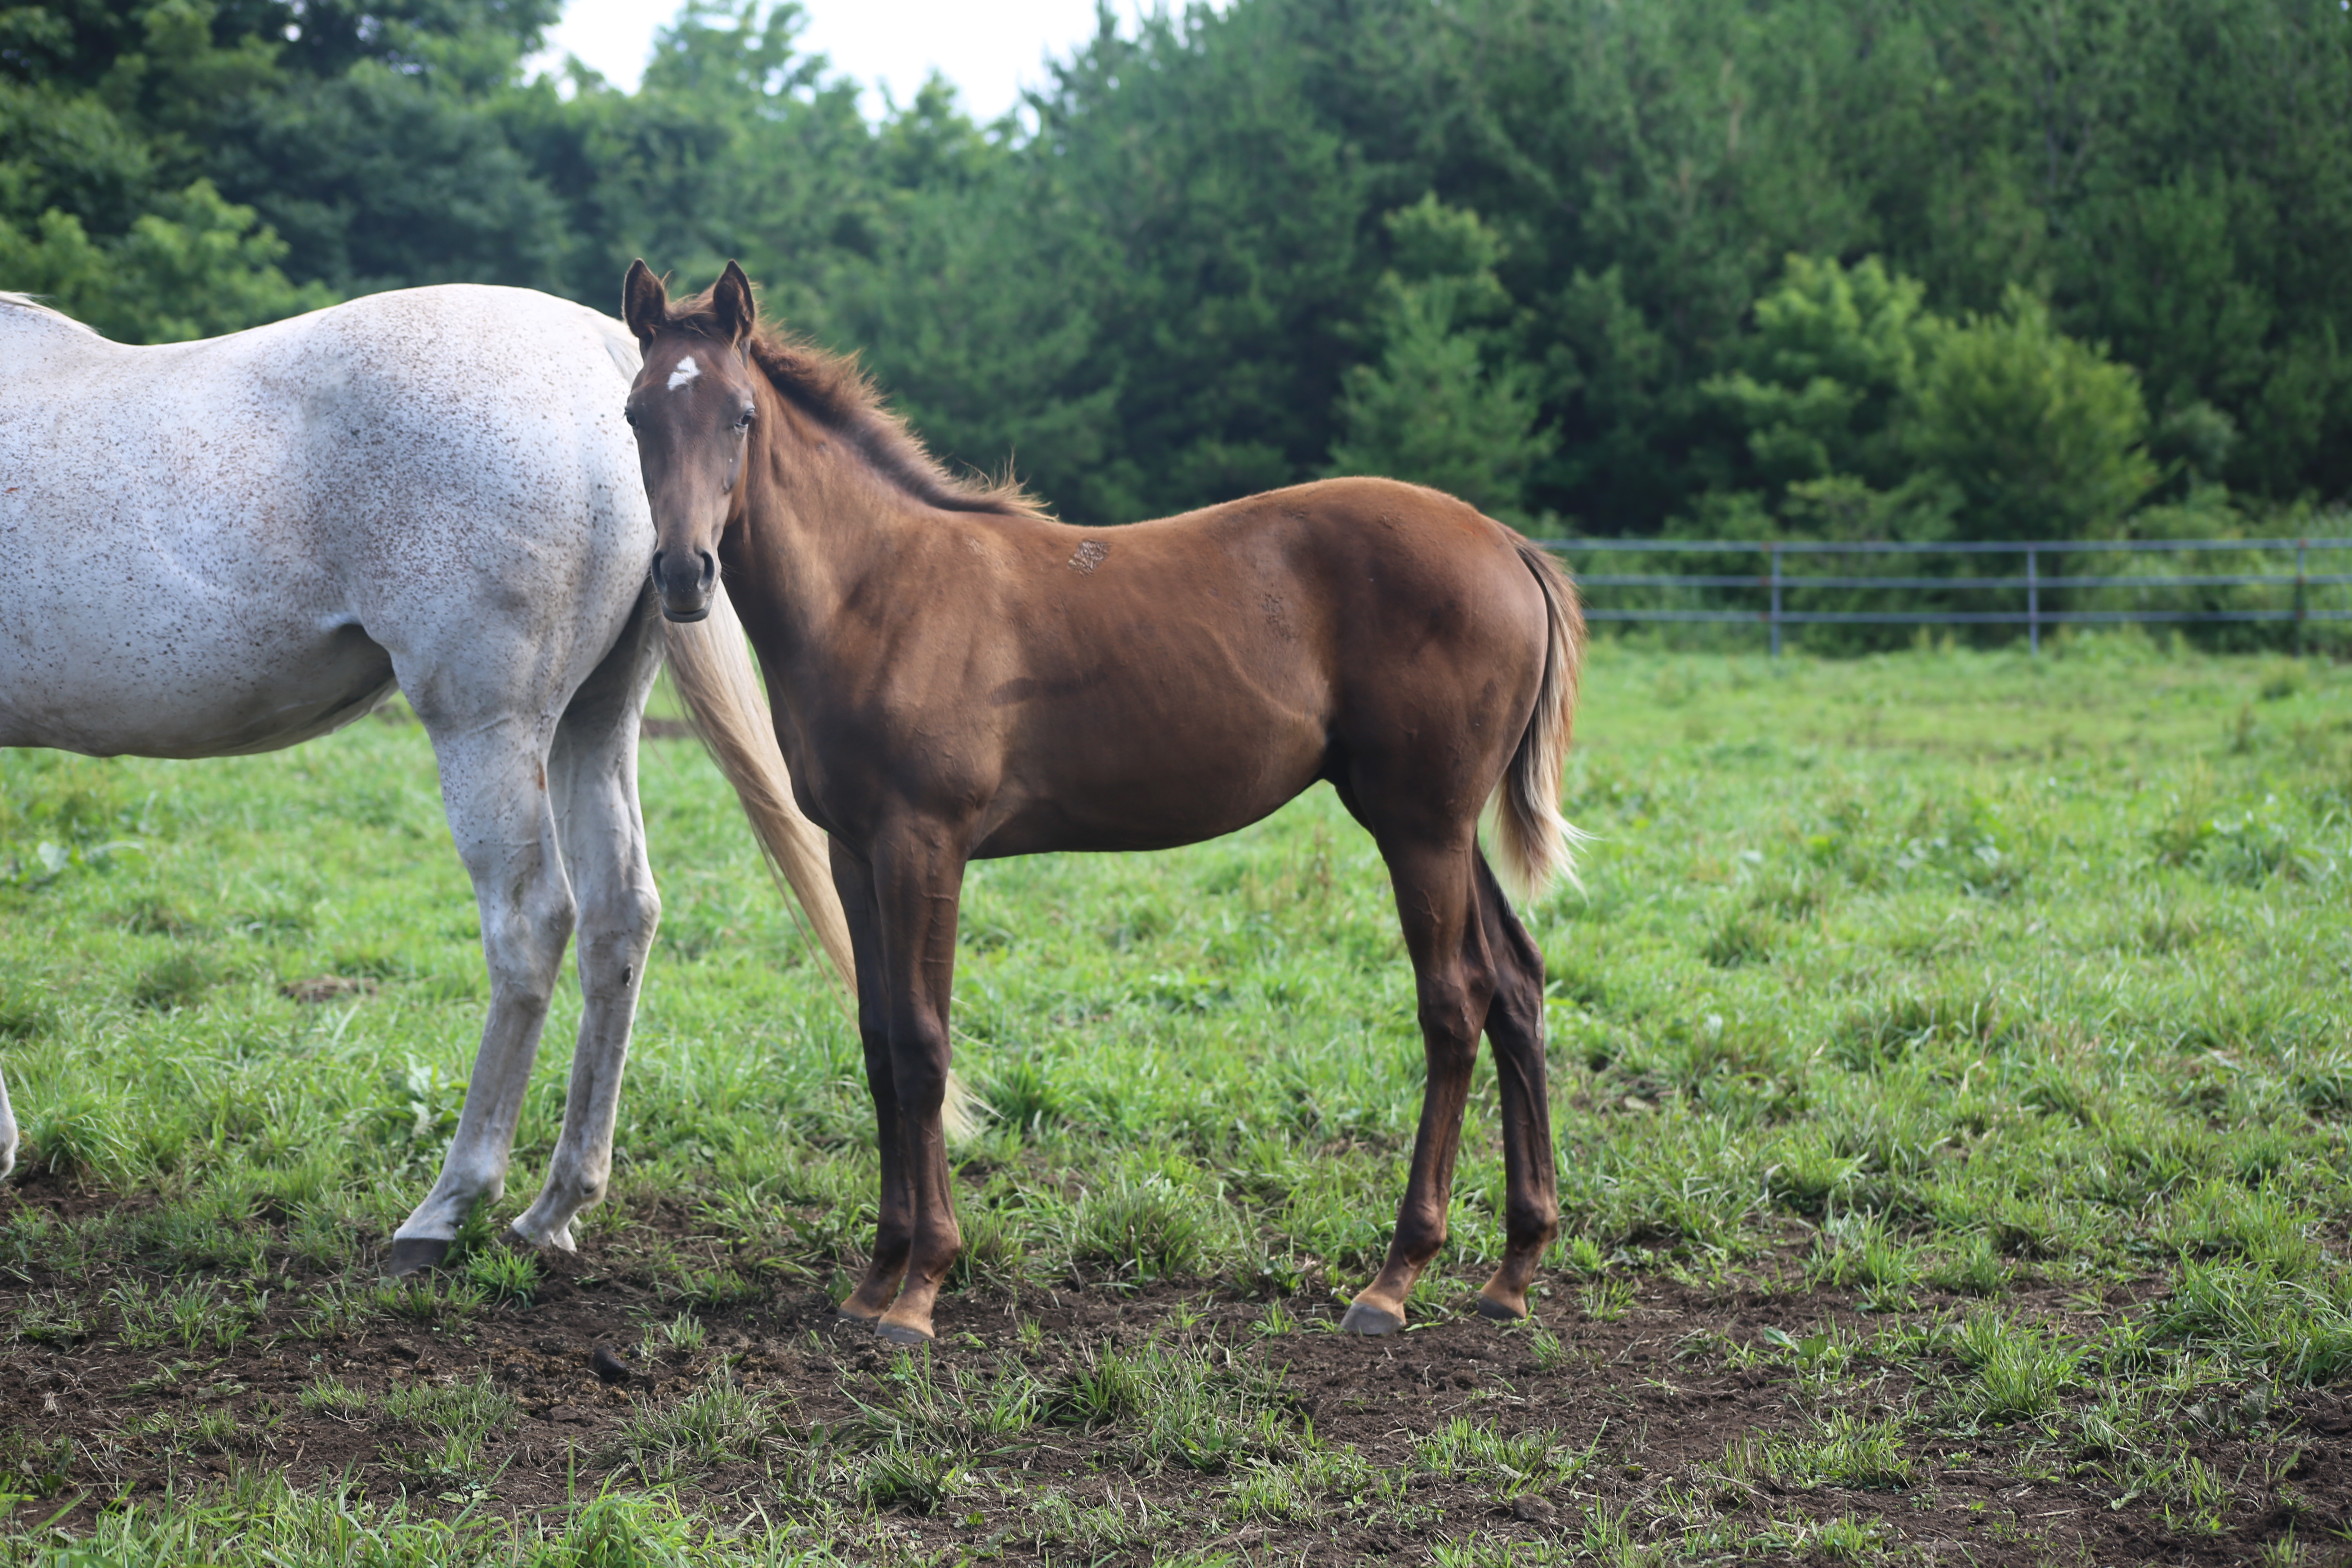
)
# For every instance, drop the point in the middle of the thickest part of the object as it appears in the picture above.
(231, 546)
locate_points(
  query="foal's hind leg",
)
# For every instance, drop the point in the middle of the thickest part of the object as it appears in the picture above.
(1514, 1029)
(592, 774)
(1456, 981)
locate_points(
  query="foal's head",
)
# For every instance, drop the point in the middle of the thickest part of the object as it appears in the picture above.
(692, 410)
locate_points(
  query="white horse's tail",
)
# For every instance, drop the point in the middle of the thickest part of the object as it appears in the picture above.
(712, 669)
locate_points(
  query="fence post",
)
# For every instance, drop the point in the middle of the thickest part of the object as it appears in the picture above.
(2033, 604)
(1772, 554)
(2301, 547)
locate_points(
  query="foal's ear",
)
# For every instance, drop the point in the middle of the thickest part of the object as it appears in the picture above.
(645, 303)
(730, 299)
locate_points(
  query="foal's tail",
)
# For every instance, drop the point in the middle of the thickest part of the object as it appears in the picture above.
(1532, 840)
(712, 669)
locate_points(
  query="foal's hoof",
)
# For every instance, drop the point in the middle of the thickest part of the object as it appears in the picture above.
(1364, 1316)
(902, 1334)
(1485, 1306)
(414, 1253)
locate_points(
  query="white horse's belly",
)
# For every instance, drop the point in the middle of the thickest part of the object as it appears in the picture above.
(160, 605)
(215, 701)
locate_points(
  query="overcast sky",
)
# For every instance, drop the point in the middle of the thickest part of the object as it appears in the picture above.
(990, 49)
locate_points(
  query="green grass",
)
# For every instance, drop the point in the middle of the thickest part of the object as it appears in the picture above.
(1844, 1450)
(1917, 978)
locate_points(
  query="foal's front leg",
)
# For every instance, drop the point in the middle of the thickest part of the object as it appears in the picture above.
(853, 879)
(917, 876)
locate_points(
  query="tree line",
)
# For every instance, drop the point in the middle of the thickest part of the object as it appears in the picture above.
(1744, 268)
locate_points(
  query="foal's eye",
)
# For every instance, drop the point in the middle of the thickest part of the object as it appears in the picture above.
(631, 416)
(743, 420)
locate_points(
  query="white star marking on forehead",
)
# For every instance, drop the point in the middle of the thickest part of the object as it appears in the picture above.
(686, 371)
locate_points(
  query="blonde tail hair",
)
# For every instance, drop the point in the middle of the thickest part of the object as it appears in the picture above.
(1533, 841)
(711, 667)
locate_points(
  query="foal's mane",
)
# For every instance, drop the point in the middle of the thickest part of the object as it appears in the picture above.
(835, 390)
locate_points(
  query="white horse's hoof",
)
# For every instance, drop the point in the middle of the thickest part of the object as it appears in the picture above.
(411, 1254)
(556, 1240)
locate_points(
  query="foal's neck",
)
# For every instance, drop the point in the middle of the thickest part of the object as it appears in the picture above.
(816, 525)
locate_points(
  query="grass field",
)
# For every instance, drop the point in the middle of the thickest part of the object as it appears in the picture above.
(1950, 1071)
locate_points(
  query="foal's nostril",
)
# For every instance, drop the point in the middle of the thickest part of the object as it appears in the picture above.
(709, 570)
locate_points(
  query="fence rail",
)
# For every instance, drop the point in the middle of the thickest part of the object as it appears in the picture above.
(1777, 583)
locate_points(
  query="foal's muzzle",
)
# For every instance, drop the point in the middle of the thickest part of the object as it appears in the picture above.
(685, 582)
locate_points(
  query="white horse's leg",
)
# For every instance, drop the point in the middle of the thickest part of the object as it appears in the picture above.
(493, 781)
(593, 772)
(7, 1134)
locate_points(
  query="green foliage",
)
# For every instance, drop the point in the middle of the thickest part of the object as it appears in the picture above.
(506, 1273)
(715, 1423)
(1441, 406)
(1844, 1450)
(1730, 267)
(1872, 419)
(1146, 1228)
(1833, 354)
(2018, 1370)
(1181, 1406)
(468, 1408)
(195, 267)
(2042, 435)
(1529, 1461)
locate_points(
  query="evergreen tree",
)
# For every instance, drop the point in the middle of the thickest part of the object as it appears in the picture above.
(1444, 406)
(1174, 278)
(2042, 434)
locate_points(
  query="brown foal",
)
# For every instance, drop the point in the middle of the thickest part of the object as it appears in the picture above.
(954, 675)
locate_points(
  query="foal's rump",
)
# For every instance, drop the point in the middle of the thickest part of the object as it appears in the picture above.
(1447, 624)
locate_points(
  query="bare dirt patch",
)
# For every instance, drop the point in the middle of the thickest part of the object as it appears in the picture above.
(1637, 1413)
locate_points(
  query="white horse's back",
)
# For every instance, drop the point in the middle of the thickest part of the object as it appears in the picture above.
(229, 546)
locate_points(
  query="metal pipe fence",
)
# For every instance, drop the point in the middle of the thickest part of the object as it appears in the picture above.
(2035, 598)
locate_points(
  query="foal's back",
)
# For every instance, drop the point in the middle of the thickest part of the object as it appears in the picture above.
(221, 546)
(1169, 681)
